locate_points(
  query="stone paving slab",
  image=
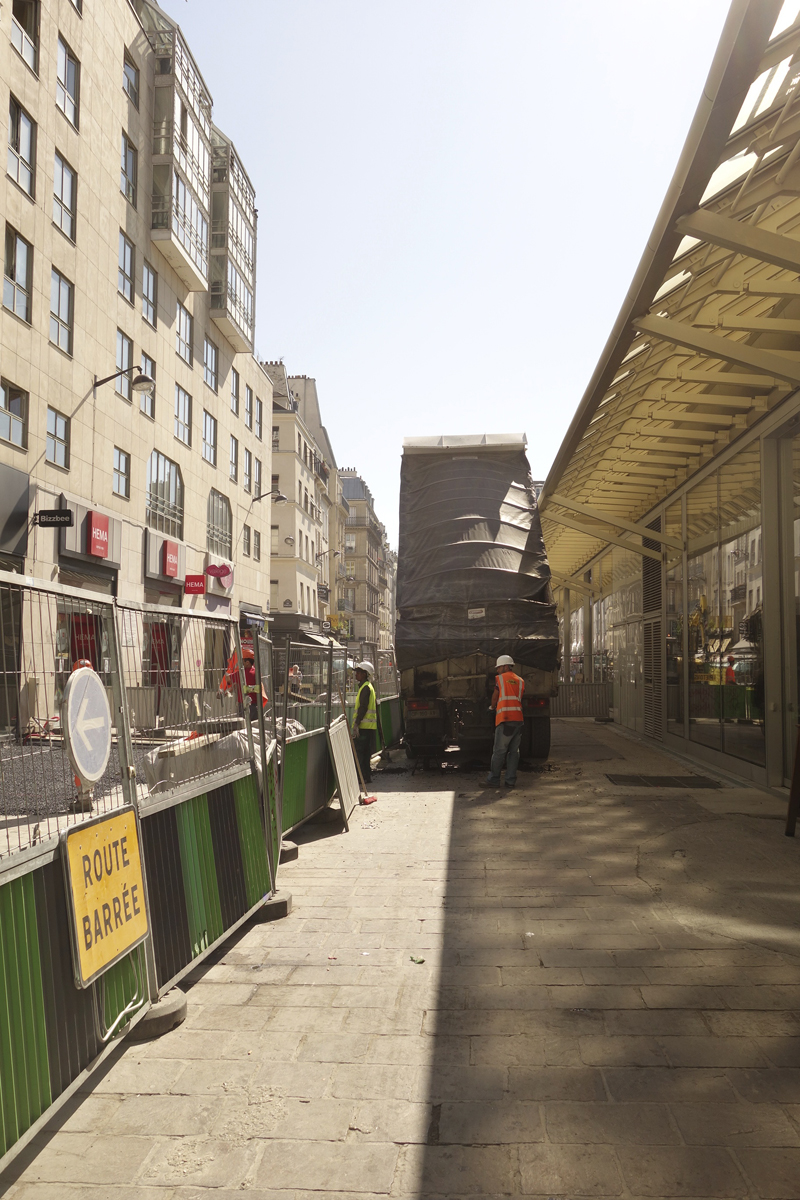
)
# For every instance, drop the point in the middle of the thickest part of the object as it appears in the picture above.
(609, 1006)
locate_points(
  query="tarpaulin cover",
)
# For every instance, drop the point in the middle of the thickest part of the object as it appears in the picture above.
(471, 539)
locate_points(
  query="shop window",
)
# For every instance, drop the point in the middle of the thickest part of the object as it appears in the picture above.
(149, 293)
(67, 82)
(121, 481)
(147, 400)
(13, 415)
(57, 442)
(124, 363)
(65, 192)
(61, 311)
(18, 274)
(164, 496)
(129, 170)
(219, 525)
(21, 146)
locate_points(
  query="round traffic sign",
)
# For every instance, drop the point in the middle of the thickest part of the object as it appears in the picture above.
(86, 721)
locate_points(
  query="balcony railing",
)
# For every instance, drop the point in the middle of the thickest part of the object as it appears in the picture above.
(169, 141)
(224, 300)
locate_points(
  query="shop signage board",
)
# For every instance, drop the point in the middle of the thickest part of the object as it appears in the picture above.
(98, 534)
(323, 592)
(170, 563)
(195, 585)
(86, 721)
(105, 890)
(55, 517)
(326, 626)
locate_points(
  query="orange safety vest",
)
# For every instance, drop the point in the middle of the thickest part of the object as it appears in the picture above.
(509, 705)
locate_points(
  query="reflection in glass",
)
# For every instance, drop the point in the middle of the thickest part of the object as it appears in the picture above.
(674, 628)
(702, 572)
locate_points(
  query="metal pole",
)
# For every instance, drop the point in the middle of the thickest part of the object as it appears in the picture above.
(262, 731)
(330, 684)
(283, 736)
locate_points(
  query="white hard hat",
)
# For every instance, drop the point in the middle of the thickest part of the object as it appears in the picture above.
(505, 660)
(367, 666)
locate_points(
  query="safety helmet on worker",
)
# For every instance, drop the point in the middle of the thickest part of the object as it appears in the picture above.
(365, 665)
(505, 660)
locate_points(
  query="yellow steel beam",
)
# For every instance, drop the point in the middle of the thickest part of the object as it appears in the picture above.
(612, 519)
(752, 324)
(601, 535)
(570, 582)
(726, 378)
(711, 344)
(743, 239)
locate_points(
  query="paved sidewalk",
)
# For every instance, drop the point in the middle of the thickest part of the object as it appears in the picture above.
(607, 1007)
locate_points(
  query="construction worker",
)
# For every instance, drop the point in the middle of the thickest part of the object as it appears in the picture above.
(365, 718)
(509, 721)
(230, 680)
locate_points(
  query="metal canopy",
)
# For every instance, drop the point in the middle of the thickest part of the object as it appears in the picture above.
(707, 339)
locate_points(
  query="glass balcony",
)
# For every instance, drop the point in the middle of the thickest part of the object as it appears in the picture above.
(233, 245)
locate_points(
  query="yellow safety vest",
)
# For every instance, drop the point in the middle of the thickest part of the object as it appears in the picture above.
(370, 718)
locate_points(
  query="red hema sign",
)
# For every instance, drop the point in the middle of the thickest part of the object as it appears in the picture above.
(98, 534)
(170, 563)
(195, 585)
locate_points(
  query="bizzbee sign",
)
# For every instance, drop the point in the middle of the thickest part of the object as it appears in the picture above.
(103, 876)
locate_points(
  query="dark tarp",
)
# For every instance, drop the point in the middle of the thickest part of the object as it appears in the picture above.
(471, 539)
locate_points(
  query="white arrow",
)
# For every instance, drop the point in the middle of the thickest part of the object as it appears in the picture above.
(83, 724)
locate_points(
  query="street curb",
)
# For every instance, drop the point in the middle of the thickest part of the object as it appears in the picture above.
(162, 1016)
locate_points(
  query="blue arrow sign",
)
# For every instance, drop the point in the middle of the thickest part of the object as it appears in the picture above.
(86, 722)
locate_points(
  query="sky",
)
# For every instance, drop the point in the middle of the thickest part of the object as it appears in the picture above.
(453, 196)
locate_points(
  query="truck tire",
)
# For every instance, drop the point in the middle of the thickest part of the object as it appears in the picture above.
(539, 737)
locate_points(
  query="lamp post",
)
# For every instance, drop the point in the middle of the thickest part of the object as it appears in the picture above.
(139, 383)
(278, 498)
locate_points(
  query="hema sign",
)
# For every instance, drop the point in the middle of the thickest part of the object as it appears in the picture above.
(94, 536)
(164, 558)
(98, 534)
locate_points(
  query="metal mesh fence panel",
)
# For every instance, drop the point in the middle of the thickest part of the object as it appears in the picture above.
(44, 636)
(387, 681)
(185, 695)
(306, 703)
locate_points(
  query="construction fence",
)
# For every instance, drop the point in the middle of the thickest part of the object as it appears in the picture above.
(218, 746)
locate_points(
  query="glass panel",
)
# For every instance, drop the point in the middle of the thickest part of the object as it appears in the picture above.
(673, 526)
(741, 595)
(702, 531)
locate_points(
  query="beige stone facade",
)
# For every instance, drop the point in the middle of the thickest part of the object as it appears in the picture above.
(114, 139)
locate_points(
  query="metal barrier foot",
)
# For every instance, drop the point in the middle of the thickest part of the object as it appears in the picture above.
(162, 1016)
(289, 851)
(275, 908)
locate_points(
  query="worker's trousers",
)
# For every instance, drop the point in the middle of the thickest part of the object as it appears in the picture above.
(365, 748)
(507, 738)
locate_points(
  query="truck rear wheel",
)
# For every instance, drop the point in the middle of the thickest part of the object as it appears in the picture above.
(539, 737)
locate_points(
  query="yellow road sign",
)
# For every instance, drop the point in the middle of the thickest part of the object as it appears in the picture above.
(103, 875)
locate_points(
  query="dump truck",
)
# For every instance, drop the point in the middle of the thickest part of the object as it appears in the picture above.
(473, 582)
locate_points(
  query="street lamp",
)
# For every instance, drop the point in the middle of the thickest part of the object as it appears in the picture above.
(278, 498)
(139, 383)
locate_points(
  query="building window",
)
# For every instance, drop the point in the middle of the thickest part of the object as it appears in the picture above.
(183, 326)
(275, 485)
(164, 496)
(57, 445)
(273, 595)
(246, 541)
(209, 438)
(219, 529)
(25, 30)
(234, 464)
(234, 391)
(350, 541)
(67, 81)
(257, 477)
(247, 481)
(13, 415)
(78, 6)
(149, 293)
(65, 187)
(122, 473)
(276, 438)
(248, 406)
(126, 268)
(210, 357)
(274, 534)
(21, 146)
(61, 311)
(299, 445)
(183, 415)
(256, 545)
(130, 79)
(129, 170)
(147, 400)
(124, 363)
(259, 419)
(18, 271)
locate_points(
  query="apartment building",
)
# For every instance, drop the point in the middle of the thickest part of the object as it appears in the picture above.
(302, 557)
(363, 542)
(387, 601)
(131, 398)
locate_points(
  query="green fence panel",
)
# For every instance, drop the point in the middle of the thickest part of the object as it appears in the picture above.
(199, 873)
(251, 839)
(24, 1067)
(294, 782)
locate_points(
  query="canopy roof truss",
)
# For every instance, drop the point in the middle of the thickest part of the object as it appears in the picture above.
(708, 338)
